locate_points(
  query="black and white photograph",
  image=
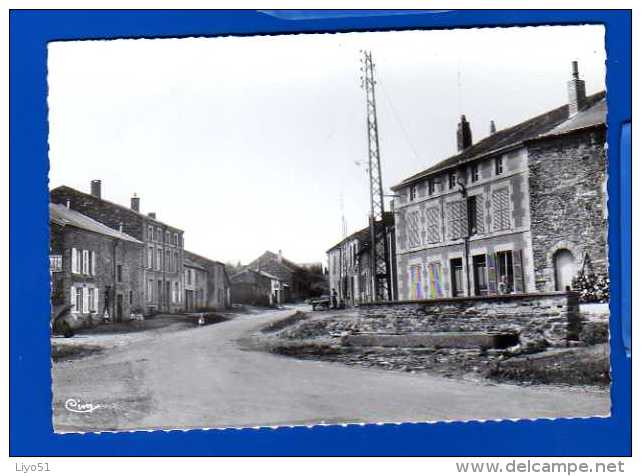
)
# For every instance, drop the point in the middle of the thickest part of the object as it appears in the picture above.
(328, 229)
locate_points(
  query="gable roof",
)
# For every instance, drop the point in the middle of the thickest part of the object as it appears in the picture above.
(361, 235)
(539, 126)
(113, 204)
(63, 216)
(273, 257)
(194, 258)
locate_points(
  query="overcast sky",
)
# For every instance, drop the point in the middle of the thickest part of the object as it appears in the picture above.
(248, 143)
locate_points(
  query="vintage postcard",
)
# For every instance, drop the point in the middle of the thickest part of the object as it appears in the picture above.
(405, 226)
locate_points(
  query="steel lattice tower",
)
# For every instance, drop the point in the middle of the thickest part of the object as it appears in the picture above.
(378, 236)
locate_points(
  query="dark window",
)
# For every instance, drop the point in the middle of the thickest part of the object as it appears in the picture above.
(131, 297)
(456, 266)
(119, 273)
(412, 192)
(452, 180)
(480, 275)
(505, 272)
(471, 216)
(430, 186)
(498, 165)
(474, 173)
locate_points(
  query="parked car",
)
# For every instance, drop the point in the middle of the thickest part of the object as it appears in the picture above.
(321, 303)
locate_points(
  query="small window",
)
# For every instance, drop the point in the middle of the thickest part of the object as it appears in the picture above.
(452, 180)
(430, 187)
(158, 234)
(150, 233)
(474, 173)
(498, 165)
(471, 216)
(412, 192)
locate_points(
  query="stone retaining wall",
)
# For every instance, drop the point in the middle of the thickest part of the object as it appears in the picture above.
(552, 316)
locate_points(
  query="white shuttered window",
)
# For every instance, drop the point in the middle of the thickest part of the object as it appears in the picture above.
(74, 260)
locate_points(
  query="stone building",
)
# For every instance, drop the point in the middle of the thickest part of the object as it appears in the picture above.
(296, 280)
(348, 273)
(207, 285)
(195, 284)
(349, 265)
(94, 269)
(251, 286)
(162, 257)
(520, 211)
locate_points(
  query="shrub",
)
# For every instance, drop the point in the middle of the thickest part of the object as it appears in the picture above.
(592, 287)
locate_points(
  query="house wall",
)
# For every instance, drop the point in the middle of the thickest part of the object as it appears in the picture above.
(417, 248)
(164, 269)
(195, 283)
(217, 286)
(553, 316)
(251, 288)
(567, 182)
(109, 253)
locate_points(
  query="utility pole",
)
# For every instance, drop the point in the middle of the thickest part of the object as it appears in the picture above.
(379, 253)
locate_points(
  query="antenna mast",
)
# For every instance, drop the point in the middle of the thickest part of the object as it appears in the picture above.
(379, 251)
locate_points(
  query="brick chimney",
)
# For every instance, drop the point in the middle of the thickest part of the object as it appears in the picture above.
(96, 186)
(135, 203)
(463, 134)
(576, 91)
(492, 128)
(152, 215)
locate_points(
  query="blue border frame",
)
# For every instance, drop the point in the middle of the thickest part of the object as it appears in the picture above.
(31, 431)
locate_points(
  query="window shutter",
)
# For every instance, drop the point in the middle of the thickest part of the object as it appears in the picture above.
(72, 299)
(93, 263)
(74, 260)
(85, 262)
(96, 303)
(517, 264)
(491, 273)
(85, 300)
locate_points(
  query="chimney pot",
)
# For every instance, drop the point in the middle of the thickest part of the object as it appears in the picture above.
(152, 215)
(576, 91)
(96, 186)
(463, 134)
(492, 128)
(135, 203)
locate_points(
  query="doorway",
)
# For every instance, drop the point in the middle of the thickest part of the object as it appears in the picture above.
(480, 275)
(456, 265)
(564, 269)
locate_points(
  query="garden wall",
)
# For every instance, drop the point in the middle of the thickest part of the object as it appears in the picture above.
(553, 316)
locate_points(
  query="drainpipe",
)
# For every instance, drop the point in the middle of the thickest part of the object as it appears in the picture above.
(466, 238)
(115, 282)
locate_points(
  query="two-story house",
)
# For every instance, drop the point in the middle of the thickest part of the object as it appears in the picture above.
(162, 256)
(520, 211)
(95, 269)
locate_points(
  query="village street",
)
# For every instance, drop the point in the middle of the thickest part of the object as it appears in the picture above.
(203, 377)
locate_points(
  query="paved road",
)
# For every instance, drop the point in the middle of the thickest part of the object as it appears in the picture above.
(202, 378)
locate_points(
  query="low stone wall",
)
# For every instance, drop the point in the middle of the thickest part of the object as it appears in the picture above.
(552, 316)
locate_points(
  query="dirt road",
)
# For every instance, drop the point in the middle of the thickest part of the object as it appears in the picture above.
(202, 378)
